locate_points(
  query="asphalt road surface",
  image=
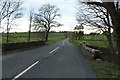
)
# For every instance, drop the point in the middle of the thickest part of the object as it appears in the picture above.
(58, 60)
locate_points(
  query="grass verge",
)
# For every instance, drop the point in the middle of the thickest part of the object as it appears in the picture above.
(102, 69)
(105, 69)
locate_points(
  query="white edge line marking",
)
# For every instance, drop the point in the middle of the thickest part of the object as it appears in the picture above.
(53, 50)
(25, 70)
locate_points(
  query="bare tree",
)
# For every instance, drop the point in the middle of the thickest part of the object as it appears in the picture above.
(30, 24)
(10, 11)
(113, 9)
(100, 18)
(7, 8)
(2, 10)
(47, 17)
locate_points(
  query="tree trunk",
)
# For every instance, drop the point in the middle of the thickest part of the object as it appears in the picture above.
(7, 36)
(115, 16)
(31, 17)
(117, 39)
(110, 42)
(111, 48)
(7, 29)
(47, 34)
(29, 34)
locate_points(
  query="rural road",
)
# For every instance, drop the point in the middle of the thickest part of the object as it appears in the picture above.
(58, 60)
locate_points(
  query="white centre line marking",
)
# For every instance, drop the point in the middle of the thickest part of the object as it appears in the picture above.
(25, 70)
(63, 43)
(53, 50)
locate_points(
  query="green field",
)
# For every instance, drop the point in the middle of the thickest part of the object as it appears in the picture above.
(54, 37)
(94, 43)
(94, 40)
(95, 37)
(23, 37)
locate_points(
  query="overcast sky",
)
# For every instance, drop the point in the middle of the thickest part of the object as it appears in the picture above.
(67, 10)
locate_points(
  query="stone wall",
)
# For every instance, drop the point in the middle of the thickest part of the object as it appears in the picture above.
(22, 45)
